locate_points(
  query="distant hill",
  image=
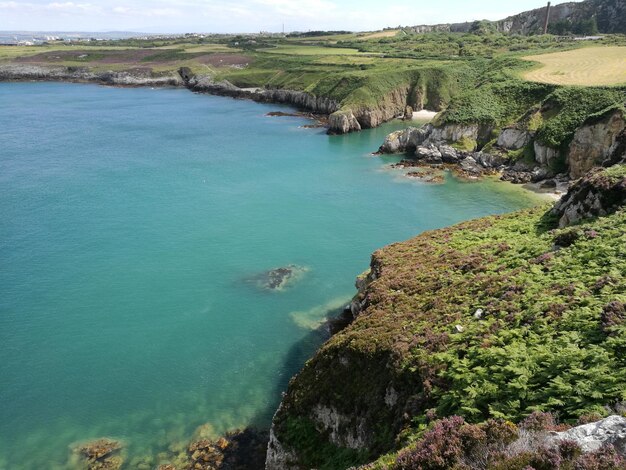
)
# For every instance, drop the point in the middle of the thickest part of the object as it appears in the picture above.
(609, 16)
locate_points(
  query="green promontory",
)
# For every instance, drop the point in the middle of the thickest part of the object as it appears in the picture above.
(493, 318)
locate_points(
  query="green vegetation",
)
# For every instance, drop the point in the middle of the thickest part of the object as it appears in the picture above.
(475, 76)
(495, 318)
(586, 27)
(567, 108)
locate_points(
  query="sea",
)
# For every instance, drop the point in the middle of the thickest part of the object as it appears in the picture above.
(138, 230)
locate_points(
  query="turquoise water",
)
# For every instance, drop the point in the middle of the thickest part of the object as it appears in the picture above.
(130, 220)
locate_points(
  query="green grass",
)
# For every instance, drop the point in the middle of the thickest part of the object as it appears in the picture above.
(475, 78)
(290, 49)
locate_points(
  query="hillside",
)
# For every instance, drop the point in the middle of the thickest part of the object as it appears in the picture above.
(495, 318)
(571, 17)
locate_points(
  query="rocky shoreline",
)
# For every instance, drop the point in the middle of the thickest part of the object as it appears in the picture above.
(515, 154)
(327, 112)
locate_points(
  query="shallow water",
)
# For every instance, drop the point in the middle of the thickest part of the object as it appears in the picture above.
(131, 221)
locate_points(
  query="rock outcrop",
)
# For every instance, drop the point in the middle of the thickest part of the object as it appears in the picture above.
(299, 99)
(340, 120)
(609, 16)
(136, 77)
(545, 155)
(423, 338)
(591, 437)
(512, 138)
(343, 122)
(405, 140)
(601, 192)
(593, 142)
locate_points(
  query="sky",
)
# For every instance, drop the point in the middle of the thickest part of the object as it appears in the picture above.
(222, 16)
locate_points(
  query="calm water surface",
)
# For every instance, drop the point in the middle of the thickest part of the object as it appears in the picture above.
(130, 220)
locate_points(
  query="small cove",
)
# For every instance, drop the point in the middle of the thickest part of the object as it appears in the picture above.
(132, 222)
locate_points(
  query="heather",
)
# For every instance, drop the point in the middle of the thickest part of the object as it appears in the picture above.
(493, 319)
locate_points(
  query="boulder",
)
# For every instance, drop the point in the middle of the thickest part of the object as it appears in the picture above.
(513, 139)
(342, 122)
(429, 153)
(101, 454)
(471, 168)
(489, 160)
(408, 113)
(405, 140)
(540, 174)
(448, 154)
(591, 437)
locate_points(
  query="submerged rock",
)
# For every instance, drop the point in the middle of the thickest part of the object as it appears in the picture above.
(241, 450)
(277, 279)
(428, 175)
(101, 454)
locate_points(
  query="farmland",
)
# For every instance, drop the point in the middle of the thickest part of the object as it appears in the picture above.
(591, 66)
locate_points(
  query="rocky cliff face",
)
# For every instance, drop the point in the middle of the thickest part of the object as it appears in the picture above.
(341, 121)
(609, 15)
(302, 100)
(600, 192)
(136, 77)
(595, 142)
(451, 322)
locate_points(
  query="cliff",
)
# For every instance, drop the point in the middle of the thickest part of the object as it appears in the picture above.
(492, 318)
(515, 152)
(609, 15)
(354, 103)
(132, 77)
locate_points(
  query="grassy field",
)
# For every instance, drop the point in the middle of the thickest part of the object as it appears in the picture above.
(289, 49)
(590, 66)
(476, 78)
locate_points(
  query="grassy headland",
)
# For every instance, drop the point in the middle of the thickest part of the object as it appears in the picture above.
(495, 318)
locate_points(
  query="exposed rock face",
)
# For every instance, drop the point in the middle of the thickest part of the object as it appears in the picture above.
(429, 153)
(593, 143)
(545, 155)
(277, 457)
(392, 105)
(137, 77)
(343, 122)
(340, 121)
(299, 99)
(455, 132)
(405, 140)
(339, 427)
(599, 193)
(609, 15)
(512, 138)
(591, 437)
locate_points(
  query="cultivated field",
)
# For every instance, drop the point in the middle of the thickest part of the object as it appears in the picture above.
(586, 66)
